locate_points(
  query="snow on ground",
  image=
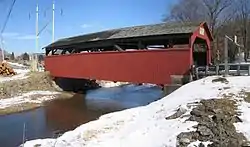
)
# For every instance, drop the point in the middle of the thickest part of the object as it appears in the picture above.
(21, 74)
(197, 143)
(41, 96)
(19, 69)
(16, 64)
(146, 126)
(108, 84)
(244, 127)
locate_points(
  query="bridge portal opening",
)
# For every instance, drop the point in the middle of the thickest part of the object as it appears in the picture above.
(200, 52)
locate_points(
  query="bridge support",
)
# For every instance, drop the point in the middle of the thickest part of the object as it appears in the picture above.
(176, 82)
(167, 89)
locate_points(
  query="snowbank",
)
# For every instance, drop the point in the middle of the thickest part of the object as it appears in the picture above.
(40, 97)
(244, 127)
(146, 126)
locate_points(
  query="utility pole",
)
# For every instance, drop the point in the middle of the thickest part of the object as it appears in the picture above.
(226, 51)
(35, 58)
(226, 56)
(4, 26)
(37, 19)
(238, 48)
(53, 21)
(2, 47)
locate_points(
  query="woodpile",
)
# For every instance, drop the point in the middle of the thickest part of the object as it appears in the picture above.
(5, 70)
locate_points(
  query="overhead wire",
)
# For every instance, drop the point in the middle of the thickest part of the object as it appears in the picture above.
(4, 26)
(8, 16)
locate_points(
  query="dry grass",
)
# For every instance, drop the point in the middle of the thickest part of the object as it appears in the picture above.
(37, 81)
(228, 96)
(37, 145)
(216, 118)
(226, 106)
(246, 96)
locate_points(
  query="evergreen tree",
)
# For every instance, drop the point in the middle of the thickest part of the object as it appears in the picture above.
(12, 56)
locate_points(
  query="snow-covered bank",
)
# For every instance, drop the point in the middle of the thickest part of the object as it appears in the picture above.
(25, 90)
(244, 127)
(36, 97)
(21, 74)
(147, 126)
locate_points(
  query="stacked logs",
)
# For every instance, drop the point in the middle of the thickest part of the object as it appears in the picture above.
(5, 70)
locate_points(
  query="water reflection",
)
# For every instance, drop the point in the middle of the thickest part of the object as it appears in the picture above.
(12, 127)
(63, 115)
(127, 96)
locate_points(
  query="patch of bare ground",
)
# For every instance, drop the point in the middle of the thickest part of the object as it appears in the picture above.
(37, 81)
(216, 118)
(220, 79)
(246, 96)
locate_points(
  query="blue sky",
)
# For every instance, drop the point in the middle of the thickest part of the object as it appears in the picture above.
(74, 17)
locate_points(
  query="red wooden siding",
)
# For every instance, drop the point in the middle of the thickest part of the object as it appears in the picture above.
(205, 36)
(146, 66)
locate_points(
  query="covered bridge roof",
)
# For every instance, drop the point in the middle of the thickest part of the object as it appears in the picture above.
(171, 28)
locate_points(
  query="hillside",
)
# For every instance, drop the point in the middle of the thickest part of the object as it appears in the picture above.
(208, 112)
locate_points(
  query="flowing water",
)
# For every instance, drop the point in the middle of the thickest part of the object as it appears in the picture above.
(66, 114)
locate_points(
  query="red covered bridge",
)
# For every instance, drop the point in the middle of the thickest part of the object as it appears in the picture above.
(140, 54)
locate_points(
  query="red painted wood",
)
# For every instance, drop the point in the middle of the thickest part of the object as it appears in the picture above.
(152, 66)
(206, 36)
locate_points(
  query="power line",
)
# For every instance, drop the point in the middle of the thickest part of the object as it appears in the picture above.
(4, 26)
(43, 28)
(8, 16)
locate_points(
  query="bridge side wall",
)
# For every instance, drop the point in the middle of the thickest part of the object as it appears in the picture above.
(143, 66)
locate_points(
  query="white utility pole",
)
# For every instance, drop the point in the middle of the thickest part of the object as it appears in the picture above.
(2, 47)
(226, 56)
(235, 39)
(53, 21)
(226, 51)
(35, 58)
(37, 19)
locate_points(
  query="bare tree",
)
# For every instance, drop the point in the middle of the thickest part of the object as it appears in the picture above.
(25, 56)
(12, 56)
(220, 15)
(216, 12)
(187, 10)
(243, 15)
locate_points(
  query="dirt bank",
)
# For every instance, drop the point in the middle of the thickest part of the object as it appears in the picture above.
(28, 93)
(37, 81)
(216, 118)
